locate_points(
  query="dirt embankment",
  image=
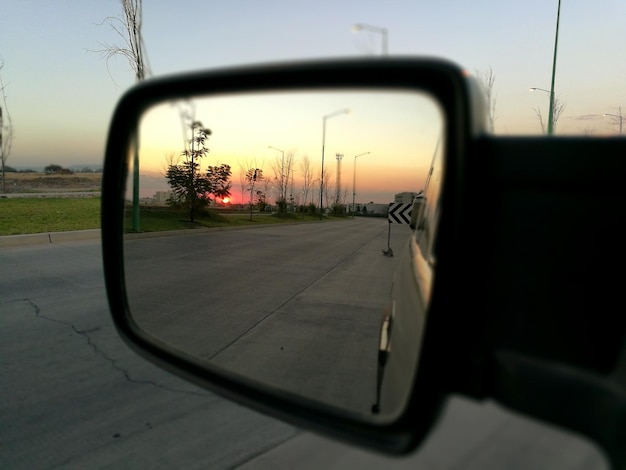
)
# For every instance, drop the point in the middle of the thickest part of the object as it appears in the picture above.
(34, 183)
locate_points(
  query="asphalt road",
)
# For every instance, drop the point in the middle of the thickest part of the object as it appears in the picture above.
(296, 306)
(74, 396)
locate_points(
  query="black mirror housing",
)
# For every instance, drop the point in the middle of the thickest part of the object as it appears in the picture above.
(459, 98)
(497, 323)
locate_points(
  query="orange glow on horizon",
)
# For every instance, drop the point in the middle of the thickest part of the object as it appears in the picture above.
(398, 131)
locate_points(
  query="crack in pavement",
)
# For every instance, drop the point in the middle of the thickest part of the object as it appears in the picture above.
(86, 334)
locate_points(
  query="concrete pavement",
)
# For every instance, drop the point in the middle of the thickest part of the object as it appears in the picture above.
(74, 396)
(48, 237)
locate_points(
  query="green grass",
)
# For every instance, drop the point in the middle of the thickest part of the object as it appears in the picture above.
(42, 215)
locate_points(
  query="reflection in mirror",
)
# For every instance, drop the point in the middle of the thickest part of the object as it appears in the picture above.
(269, 230)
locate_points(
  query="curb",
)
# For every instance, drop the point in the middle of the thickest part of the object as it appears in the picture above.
(48, 237)
(95, 234)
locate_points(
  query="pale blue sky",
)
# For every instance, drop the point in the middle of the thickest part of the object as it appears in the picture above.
(61, 95)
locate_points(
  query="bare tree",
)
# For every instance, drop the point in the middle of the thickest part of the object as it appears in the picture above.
(487, 80)
(283, 170)
(557, 110)
(326, 183)
(128, 28)
(618, 119)
(559, 106)
(344, 197)
(306, 171)
(243, 181)
(267, 186)
(244, 177)
(6, 129)
(171, 159)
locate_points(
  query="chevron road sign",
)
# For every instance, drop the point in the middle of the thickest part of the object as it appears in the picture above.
(400, 213)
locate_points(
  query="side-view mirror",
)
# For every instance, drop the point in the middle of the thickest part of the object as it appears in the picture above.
(289, 318)
(325, 246)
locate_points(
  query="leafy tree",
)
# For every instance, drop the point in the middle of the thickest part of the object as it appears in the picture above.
(52, 169)
(338, 209)
(282, 205)
(261, 201)
(218, 181)
(254, 176)
(191, 188)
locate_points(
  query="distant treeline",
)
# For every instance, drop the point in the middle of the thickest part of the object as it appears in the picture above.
(53, 169)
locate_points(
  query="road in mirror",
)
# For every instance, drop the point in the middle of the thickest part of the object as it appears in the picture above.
(289, 283)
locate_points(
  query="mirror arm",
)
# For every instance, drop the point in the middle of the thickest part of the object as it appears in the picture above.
(550, 391)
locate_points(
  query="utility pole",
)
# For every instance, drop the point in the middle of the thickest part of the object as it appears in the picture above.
(324, 119)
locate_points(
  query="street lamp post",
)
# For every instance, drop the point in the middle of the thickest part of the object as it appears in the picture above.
(326, 117)
(620, 117)
(354, 180)
(282, 171)
(556, 40)
(375, 29)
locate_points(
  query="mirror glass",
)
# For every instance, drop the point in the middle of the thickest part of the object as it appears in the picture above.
(263, 231)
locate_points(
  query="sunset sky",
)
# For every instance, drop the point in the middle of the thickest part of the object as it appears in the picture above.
(395, 133)
(60, 91)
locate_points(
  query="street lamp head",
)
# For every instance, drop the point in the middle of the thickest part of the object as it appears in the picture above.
(375, 29)
(361, 26)
(336, 113)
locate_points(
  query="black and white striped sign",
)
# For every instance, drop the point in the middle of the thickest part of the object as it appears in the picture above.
(400, 213)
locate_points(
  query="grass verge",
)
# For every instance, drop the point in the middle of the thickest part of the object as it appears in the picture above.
(43, 215)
